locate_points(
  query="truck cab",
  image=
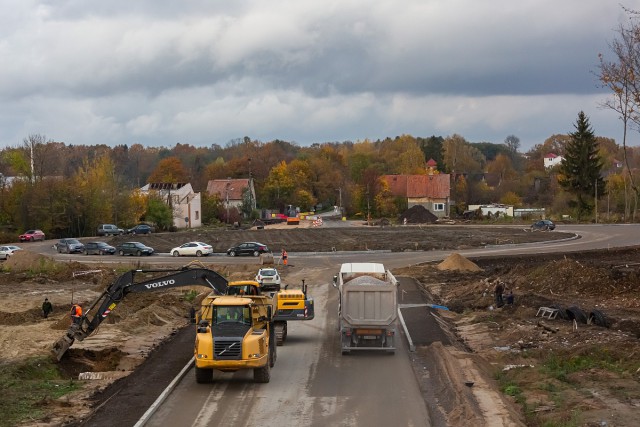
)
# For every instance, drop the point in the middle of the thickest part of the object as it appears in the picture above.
(235, 332)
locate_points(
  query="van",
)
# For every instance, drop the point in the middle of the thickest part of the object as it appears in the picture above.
(109, 230)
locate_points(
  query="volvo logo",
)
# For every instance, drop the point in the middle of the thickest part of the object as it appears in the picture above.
(160, 284)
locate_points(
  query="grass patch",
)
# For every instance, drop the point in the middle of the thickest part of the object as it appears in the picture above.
(27, 386)
(190, 295)
(45, 265)
(560, 366)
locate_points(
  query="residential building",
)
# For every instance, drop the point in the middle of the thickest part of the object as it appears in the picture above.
(231, 191)
(185, 203)
(551, 160)
(433, 191)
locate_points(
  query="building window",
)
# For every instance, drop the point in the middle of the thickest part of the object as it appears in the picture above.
(197, 215)
(438, 207)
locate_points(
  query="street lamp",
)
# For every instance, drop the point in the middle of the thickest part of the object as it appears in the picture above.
(339, 190)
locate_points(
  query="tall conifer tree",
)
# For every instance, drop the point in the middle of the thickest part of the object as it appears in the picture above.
(580, 172)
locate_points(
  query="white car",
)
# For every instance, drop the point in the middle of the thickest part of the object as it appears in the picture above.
(8, 250)
(192, 249)
(268, 276)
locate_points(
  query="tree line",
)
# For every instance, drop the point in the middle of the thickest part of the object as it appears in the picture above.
(70, 189)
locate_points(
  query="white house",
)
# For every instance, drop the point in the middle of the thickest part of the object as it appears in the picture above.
(550, 160)
(186, 204)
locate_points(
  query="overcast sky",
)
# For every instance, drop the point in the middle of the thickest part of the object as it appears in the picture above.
(202, 72)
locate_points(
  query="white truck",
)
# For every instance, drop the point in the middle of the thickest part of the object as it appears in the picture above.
(367, 307)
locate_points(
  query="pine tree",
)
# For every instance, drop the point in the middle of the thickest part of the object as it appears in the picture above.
(580, 170)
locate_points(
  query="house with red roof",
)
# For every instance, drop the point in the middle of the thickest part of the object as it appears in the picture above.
(433, 191)
(231, 191)
(551, 160)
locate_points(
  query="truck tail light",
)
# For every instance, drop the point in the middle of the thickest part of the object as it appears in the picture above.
(390, 333)
(348, 332)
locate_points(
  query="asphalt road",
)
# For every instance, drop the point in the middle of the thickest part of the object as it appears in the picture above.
(312, 384)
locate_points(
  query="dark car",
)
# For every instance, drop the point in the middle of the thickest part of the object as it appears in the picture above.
(98, 248)
(134, 248)
(543, 225)
(140, 229)
(248, 248)
(69, 246)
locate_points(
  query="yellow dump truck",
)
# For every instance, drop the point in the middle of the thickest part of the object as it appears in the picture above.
(235, 331)
(292, 304)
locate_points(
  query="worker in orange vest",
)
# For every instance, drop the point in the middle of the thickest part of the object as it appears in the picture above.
(76, 313)
(284, 257)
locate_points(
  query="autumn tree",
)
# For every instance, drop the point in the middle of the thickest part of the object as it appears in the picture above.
(460, 157)
(159, 213)
(581, 169)
(170, 170)
(403, 156)
(622, 77)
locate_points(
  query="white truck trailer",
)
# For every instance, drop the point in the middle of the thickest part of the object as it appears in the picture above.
(367, 307)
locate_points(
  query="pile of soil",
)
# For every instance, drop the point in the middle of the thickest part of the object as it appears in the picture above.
(418, 214)
(456, 262)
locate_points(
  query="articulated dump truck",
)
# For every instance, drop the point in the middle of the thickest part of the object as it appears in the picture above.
(235, 331)
(291, 305)
(367, 307)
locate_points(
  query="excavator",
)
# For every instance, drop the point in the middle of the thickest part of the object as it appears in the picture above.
(97, 312)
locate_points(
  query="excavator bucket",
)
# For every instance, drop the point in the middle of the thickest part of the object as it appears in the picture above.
(61, 346)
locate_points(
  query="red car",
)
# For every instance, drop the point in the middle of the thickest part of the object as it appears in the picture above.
(31, 236)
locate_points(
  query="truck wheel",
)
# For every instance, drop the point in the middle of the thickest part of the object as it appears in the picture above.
(262, 375)
(204, 375)
(281, 333)
(273, 348)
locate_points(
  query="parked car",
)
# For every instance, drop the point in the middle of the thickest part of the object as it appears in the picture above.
(134, 248)
(69, 246)
(31, 236)
(140, 229)
(543, 225)
(7, 250)
(98, 248)
(248, 248)
(109, 230)
(268, 276)
(191, 249)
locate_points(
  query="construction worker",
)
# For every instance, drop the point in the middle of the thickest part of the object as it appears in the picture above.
(234, 313)
(47, 308)
(284, 257)
(76, 314)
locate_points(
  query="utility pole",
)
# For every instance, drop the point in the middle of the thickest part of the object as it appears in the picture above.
(250, 192)
(228, 185)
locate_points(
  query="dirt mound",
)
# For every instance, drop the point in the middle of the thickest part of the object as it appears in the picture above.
(25, 260)
(457, 262)
(418, 214)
